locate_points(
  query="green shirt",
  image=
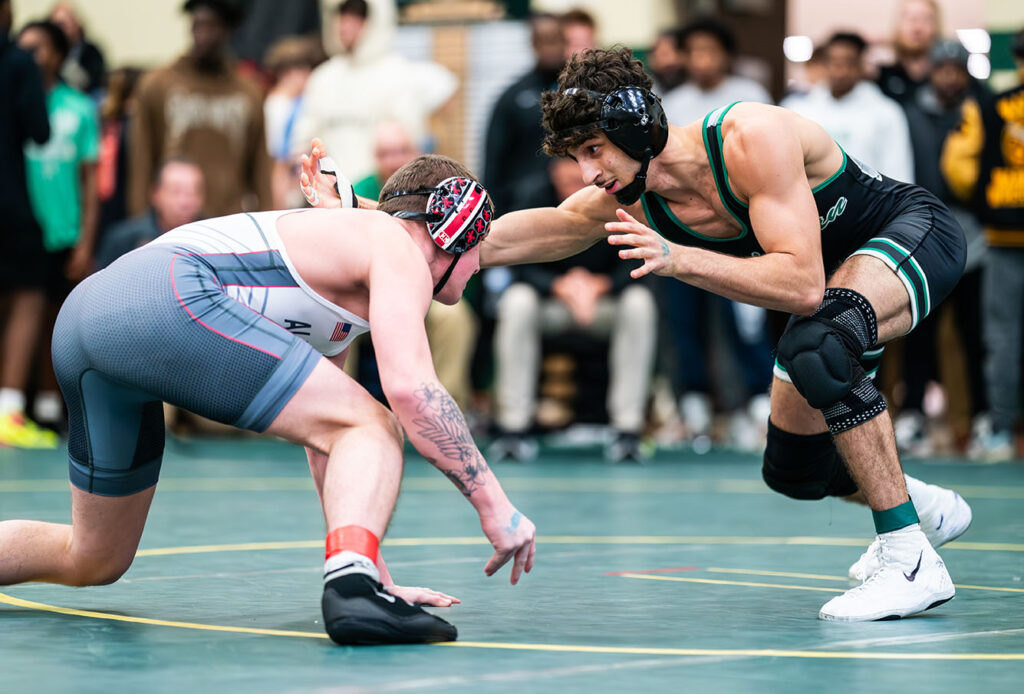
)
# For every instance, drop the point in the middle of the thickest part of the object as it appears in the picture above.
(52, 169)
(369, 187)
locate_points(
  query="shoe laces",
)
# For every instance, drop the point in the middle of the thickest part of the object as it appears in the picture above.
(882, 554)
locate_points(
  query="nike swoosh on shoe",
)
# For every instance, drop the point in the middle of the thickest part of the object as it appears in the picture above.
(913, 574)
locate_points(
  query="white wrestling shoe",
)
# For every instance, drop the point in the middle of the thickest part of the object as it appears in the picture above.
(944, 517)
(910, 578)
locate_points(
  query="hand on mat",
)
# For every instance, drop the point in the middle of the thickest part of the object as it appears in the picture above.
(320, 182)
(415, 595)
(659, 255)
(513, 536)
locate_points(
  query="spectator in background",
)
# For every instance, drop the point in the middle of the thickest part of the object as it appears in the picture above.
(176, 198)
(983, 162)
(591, 291)
(291, 61)
(580, 30)
(918, 25)
(708, 49)
(23, 118)
(451, 330)
(866, 123)
(667, 62)
(62, 190)
(84, 68)
(112, 170)
(365, 84)
(933, 114)
(515, 170)
(265, 23)
(198, 107)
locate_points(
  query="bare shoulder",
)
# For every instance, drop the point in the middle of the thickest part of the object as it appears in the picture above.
(752, 127)
(760, 143)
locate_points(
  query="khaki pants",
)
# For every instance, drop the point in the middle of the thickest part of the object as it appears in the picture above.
(630, 320)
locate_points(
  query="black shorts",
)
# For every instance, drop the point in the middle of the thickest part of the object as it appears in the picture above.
(925, 246)
(23, 262)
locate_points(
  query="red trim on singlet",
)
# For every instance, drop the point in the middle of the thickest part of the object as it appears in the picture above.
(174, 286)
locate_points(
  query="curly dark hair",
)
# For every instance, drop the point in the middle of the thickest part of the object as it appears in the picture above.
(596, 70)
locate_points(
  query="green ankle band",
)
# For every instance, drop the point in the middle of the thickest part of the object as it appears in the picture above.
(895, 518)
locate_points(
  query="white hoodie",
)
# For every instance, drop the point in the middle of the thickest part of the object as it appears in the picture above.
(348, 96)
(865, 122)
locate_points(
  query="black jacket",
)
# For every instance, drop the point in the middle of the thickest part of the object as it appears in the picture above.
(22, 117)
(515, 169)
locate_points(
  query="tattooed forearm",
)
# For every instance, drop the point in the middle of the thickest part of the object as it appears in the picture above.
(441, 423)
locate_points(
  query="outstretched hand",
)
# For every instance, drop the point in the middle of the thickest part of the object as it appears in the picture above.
(415, 595)
(319, 187)
(657, 254)
(512, 535)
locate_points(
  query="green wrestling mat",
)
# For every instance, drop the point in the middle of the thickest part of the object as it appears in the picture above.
(686, 574)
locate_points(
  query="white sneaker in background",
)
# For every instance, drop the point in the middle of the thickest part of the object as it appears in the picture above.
(993, 447)
(695, 409)
(944, 516)
(910, 578)
(911, 429)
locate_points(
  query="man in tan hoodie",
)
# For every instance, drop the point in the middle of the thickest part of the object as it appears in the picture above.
(200, 108)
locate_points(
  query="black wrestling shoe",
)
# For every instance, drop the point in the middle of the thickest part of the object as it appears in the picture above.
(358, 611)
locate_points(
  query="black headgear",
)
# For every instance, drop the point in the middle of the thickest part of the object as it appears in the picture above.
(635, 122)
(458, 216)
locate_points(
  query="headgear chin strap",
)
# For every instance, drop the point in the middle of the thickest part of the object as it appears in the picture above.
(635, 122)
(458, 216)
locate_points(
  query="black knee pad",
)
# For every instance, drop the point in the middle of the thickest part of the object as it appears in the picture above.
(805, 467)
(821, 354)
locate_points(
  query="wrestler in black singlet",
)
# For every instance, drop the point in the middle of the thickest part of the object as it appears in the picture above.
(860, 212)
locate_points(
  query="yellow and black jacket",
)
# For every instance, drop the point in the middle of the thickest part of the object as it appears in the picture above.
(983, 163)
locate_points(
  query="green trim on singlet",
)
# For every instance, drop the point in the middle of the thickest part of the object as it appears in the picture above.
(678, 222)
(707, 147)
(909, 259)
(834, 176)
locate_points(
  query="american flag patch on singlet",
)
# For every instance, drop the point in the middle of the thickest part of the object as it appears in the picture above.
(341, 331)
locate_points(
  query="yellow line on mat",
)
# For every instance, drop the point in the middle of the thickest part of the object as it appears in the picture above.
(818, 576)
(546, 647)
(714, 581)
(574, 540)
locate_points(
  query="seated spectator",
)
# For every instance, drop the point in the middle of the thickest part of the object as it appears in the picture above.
(451, 330)
(592, 292)
(176, 198)
(708, 49)
(84, 68)
(291, 61)
(867, 124)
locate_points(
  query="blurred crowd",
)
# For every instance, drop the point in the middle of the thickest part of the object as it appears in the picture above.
(97, 162)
